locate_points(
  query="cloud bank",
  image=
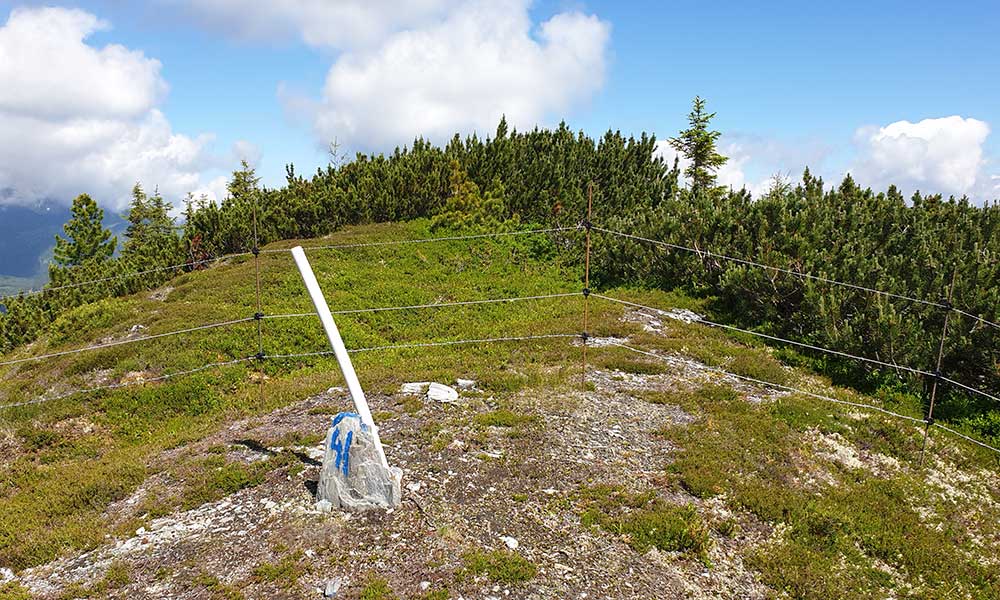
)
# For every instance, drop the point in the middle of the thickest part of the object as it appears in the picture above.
(428, 68)
(75, 118)
(935, 156)
(943, 155)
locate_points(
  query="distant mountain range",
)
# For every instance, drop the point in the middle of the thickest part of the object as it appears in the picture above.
(27, 236)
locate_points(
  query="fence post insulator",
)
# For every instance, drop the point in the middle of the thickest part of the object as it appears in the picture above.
(586, 292)
(257, 316)
(260, 356)
(255, 251)
(584, 336)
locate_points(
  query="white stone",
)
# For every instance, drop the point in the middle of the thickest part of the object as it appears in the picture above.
(414, 388)
(441, 393)
(324, 506)
(511, 542)
(332, 587)
(424, 585)
(6, 575)
(353, 476)
(413, 486)
(465, 384)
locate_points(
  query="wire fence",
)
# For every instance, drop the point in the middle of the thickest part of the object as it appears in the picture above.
(781, 340)
(801, 274)
(124, 276)
(259, 316)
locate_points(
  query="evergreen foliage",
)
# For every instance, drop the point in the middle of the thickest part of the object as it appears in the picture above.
(151, 236)
(539, 177)
(86, 238)
(697, 144)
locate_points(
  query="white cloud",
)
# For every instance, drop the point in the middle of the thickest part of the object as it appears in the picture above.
(319, 23)
(943, 155)
(462, 74)
(47, 71)
(246, 151)
(75, 118)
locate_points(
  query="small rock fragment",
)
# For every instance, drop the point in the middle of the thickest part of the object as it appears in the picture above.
(413, 486)
(424, 585)
(332, 587)
(441, 393)
(511, 542)
(324, 506)
(414, 388)
(465, 384)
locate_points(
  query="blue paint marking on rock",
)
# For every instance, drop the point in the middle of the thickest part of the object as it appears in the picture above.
(353, 476)
(343, 449)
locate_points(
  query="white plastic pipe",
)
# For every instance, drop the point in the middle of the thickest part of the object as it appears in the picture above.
(339, 350)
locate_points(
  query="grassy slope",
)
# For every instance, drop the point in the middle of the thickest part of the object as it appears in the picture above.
(850, 534)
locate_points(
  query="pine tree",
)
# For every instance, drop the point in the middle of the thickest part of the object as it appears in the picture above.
(151, 231)
(136, 232)
(86, 237)
(697, 144)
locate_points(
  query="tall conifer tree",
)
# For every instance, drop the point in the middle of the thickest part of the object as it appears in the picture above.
(86, 237)
(697, 144)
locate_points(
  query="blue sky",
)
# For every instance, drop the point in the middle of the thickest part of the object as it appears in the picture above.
(793, 84)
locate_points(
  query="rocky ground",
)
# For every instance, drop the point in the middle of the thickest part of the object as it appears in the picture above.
(483, 485)
(470, 485)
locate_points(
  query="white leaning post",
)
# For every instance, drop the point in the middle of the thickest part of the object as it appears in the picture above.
(339, 350)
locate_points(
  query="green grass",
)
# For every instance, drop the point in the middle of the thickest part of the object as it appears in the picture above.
(500, 566)
(217, 589)
(645, 521)
(14, 591)
(285, 573)
(836, 532)
(377, 588)
(53, 494)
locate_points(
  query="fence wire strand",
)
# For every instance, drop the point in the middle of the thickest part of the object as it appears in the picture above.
(780, 386)
(115, 386)
(774, 338)
(967, 438)
(706, 253)
(803, 275)
(520, 338)
(354, 311)
(811, 347)
(130, 275)
(144, 338)
(427, 240)
(821, 397)
(969, 388)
